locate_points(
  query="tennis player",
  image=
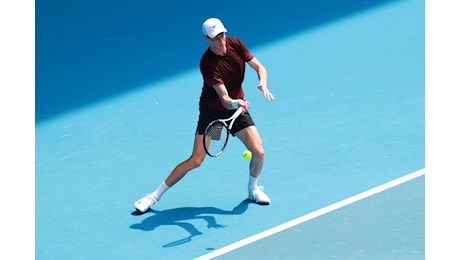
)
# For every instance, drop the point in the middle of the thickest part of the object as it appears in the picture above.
(223, 69)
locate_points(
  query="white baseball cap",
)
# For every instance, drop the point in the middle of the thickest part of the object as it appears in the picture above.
(212, 27)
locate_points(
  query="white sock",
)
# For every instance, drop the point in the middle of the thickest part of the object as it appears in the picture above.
(160, 190)
(252, 185)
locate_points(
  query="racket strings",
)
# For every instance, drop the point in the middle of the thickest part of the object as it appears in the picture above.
(215, 138)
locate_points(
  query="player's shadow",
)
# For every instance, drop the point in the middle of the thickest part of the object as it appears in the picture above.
(179, 216)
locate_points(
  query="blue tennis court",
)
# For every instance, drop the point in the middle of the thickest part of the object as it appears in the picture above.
(117, 89)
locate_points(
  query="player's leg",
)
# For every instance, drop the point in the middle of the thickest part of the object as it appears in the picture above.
(251, 139)
(194, 161)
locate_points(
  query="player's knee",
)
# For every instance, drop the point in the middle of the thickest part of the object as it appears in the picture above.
(195, 162)
(258, 153)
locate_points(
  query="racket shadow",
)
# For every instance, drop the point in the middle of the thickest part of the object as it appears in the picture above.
(180, 216)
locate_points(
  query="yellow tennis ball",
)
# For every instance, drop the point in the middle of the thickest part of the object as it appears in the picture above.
(247, 154)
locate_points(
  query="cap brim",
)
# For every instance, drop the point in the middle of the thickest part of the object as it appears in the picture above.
(217, 32)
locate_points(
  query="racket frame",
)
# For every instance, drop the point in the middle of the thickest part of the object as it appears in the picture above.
(227, 129)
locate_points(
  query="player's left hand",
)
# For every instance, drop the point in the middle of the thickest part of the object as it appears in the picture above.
(267, 94)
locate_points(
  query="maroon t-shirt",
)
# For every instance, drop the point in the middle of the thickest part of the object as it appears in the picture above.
(228, 70)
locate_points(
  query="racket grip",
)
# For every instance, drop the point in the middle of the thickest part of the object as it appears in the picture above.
(238, 111)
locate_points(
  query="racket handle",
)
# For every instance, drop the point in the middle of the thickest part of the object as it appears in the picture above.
(238, 112)
(235, 115)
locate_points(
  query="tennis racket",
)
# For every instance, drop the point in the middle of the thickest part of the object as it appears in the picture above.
(216, 134)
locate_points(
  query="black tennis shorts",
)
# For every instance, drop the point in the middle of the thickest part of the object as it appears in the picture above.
(241, 122)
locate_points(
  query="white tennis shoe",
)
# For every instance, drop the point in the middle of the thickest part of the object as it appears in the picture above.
(259, 196)
(145, 203)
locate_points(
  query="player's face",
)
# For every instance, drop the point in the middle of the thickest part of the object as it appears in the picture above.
(218, 42)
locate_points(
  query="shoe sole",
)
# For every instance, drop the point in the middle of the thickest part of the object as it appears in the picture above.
(259, 202)
(262, 203)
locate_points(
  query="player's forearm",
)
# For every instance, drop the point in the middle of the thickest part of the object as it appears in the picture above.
(230, 103)
(262, 74)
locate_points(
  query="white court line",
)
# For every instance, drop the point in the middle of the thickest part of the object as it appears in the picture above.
(312, 215)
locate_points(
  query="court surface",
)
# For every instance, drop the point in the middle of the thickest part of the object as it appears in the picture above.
(344, 139)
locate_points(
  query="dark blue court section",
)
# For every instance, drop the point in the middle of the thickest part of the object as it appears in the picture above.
(90, 50)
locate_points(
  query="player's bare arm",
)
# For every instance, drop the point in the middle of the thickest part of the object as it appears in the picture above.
(262, 74)
(227, 101)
